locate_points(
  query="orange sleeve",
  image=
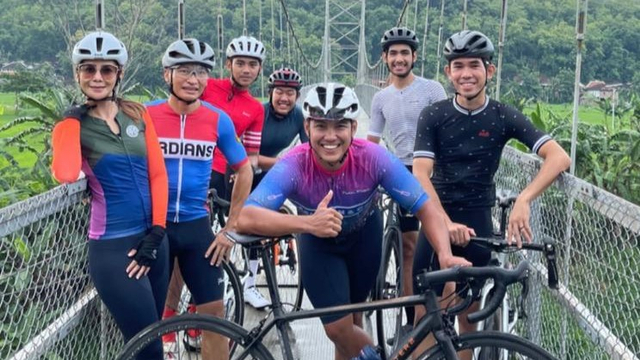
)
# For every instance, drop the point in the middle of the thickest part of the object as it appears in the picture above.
(158, 181)
(67, 154)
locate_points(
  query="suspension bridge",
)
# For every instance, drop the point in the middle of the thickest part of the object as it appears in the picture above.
(49, 309)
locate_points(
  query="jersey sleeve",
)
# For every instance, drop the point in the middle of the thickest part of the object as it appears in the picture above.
(67, 153)
(426, 134)
(401, 185)
(229, 144)
(158, 180)
(276, 186)
(437, 93)
(519, 127)
(253, 136)
(377, 121)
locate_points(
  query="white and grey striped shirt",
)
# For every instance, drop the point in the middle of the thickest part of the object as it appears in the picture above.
(398, 110)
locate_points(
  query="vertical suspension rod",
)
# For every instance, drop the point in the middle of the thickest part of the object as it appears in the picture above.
(99, 15)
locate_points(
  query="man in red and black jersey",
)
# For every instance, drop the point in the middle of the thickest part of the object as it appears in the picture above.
(245, 55)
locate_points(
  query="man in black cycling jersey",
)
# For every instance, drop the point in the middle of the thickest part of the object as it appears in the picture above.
(460, 140)
(283, 120)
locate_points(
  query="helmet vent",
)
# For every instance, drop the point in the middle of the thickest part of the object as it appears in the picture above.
(113, 52)
(322, 94)
(178, 55)
(337, 96)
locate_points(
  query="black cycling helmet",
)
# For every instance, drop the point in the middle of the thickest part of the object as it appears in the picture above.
(399, 35)
(285, 77)
(468, 43)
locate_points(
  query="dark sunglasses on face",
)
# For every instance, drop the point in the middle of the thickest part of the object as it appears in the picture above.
(106, 71)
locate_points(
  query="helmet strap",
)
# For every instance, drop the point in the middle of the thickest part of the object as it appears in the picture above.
(112, 97)
(331, 164)
(188, 102)
(486, 81)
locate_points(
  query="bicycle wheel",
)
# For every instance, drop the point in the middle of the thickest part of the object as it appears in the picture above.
(484, 344)
(284, 256)
(233, 308)
(389, 321)
(235, 335)
(233, 295)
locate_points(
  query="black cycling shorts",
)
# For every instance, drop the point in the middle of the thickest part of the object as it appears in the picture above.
(189, 241)
(479, 220)
(343, 270)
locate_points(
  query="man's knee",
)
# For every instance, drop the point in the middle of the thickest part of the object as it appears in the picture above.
(339, 330)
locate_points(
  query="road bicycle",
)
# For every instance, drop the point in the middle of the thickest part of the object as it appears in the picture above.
(511, 309)
(284, 257)
(437, 320)
(389, 322)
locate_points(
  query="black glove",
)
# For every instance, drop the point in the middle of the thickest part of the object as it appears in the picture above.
(147, 249)
(75, 111)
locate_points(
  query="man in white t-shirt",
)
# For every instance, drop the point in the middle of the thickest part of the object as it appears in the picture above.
(397, 107)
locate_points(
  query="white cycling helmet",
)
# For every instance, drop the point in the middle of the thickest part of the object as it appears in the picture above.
(189, 51)
(246, 46)
(331, 101)
(99, 45)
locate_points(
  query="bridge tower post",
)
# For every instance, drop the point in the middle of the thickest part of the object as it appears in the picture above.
(343, 20)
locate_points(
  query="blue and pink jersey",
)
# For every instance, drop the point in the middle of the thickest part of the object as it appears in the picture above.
(188, 142)
(301, 179)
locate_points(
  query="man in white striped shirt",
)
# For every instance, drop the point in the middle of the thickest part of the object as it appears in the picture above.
(398, 107)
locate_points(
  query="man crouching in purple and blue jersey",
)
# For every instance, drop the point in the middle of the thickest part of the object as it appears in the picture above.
(333, 180)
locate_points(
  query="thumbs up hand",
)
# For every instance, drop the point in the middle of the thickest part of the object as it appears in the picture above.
(325, 222)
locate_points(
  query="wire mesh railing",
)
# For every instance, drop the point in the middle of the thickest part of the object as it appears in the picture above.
(48, 307)
(595, 313)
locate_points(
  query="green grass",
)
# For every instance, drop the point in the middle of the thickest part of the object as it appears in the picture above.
(8, 114)
(586, 114)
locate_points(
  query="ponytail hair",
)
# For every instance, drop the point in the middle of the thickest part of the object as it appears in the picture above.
(132, 109)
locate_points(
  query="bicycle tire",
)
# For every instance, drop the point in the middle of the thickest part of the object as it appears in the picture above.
(233, 302)
(389, 321)
(236, 335)
(233, 295)
(287, 272)
(482, 344)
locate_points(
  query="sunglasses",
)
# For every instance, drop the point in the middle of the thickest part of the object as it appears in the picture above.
(106, 71)
(185, 72)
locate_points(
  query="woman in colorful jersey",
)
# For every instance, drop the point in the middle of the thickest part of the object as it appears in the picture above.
(333, 180)
(114, 143)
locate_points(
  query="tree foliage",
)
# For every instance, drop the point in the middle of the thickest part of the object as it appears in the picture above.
(540, 34)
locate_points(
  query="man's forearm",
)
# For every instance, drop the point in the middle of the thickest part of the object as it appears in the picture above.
(266, 162)
(434, 228)
(552, 166)
(260, 221)
(240, 192)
